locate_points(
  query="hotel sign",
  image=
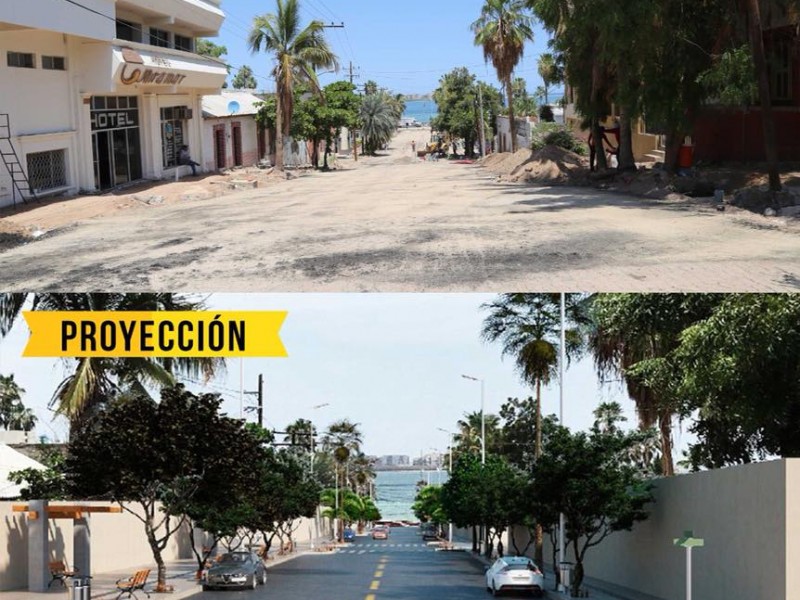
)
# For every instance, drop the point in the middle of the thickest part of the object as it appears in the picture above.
(114, 119)
(132, 75)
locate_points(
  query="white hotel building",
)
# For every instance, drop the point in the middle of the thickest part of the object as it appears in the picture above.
(99, 93)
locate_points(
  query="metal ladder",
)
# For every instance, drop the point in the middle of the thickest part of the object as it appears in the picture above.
(20, 183)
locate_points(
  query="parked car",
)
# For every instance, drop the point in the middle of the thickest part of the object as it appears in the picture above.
(236, 569)
(514, 573)
(429, 531)
(380, 532)
(349, 535)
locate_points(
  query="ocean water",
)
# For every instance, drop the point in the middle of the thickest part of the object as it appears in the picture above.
(421, 110)
(395, 491)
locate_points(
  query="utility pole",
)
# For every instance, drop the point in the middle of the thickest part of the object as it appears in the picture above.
(260, 400)
(355, 149)
(483, 126)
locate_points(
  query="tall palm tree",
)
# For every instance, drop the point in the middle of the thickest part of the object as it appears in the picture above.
(378, 116)
(549, 72)
(502, 30)
(529, 328)
(91, 382)
(630, 328)
(298, 54)
(468, 438)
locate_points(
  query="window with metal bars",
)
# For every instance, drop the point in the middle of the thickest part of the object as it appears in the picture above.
(24, 60)
(54, 63)
(47, 170)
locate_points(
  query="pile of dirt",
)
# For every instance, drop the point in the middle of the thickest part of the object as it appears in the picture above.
(550, 165)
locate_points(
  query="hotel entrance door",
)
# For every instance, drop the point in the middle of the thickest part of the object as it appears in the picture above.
(116, 142)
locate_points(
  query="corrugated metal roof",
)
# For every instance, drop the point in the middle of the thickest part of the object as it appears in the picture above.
(218, 105)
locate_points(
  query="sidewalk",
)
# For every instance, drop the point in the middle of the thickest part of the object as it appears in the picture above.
(180, 575)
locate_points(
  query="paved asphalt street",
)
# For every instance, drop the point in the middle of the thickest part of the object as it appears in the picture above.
(402, 567)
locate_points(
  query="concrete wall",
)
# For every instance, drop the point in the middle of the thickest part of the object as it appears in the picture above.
(249, 130)
(57, 15)
(118, 543)
(749, 517)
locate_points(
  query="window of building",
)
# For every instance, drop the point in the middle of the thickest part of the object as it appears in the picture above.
(173, 126)
(128, 31)
(54, 63)
(183, 43)
(24, 60)
(780, 71)
(47, 170)
(159, 37)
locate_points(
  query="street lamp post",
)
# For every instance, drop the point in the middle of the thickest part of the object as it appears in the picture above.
(449, 474)
(483, 436)
(561, 360)
(483, 418)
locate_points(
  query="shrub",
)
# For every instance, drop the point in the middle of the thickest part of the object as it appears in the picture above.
(546, 114)
(553, 134)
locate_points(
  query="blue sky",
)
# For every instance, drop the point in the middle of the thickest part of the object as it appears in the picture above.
(391, 362)
(404, 46)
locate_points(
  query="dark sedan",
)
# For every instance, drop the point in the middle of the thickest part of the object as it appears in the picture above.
(236, 569)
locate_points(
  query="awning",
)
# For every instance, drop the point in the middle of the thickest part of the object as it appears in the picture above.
(135, 68)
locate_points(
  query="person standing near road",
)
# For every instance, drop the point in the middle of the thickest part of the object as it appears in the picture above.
(414, 148)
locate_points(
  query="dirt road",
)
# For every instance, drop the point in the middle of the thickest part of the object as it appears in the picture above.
(396, 224)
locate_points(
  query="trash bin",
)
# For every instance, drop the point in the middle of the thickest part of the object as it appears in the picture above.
(565, 570)
(686, 154)
(81, 589)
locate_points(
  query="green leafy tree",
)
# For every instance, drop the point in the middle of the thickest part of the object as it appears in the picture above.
(737, 371)
(13, 413)
(585, 476)
(244, 79)
(428, 507)
(457, 102)
(484, 494)
(298, 54)
(208, 48)
(630, 328)
(43, 484)
(468, 436)
(91, 381)
(154, 460)
(502, 30)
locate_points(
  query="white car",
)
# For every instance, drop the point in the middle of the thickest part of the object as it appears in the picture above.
(514, 573)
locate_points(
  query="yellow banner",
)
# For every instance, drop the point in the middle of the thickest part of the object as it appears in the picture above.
(210, 334)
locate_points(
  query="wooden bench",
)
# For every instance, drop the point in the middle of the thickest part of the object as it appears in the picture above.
(59, 572)
(130, 585)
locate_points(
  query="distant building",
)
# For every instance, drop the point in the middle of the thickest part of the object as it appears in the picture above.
(434, 460)
(394, 460)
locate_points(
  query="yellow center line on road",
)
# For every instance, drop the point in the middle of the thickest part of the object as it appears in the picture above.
(378, 573)
(369, 597)
(375, 585)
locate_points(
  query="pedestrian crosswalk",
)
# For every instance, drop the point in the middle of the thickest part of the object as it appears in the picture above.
(370, 548)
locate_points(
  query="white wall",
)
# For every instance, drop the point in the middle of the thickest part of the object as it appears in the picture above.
(60, 16)
(249, 141)
(749, 516)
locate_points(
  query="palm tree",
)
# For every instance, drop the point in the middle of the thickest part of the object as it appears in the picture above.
(468, 438)
(378, 118)
(91, 382)
(630, 328)
(549, 72)
(529, 328)
(502, 29)
(298, 54)
(607, 416)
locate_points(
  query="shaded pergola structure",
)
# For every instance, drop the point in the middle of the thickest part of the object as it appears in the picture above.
(38, 512)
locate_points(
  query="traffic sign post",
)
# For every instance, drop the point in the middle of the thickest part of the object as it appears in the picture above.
(688, 541)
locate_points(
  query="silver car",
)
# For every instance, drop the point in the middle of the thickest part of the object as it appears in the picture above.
(514, 573)
(236, 569)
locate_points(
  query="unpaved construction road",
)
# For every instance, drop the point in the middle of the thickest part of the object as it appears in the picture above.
(394, 224)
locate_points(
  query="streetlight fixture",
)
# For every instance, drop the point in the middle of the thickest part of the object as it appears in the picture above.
(483, 418)
(449, 474)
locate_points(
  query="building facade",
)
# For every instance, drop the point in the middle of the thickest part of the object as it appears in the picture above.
(102, 93)
(231, 135)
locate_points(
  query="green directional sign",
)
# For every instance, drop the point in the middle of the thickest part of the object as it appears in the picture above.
(689, 541)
